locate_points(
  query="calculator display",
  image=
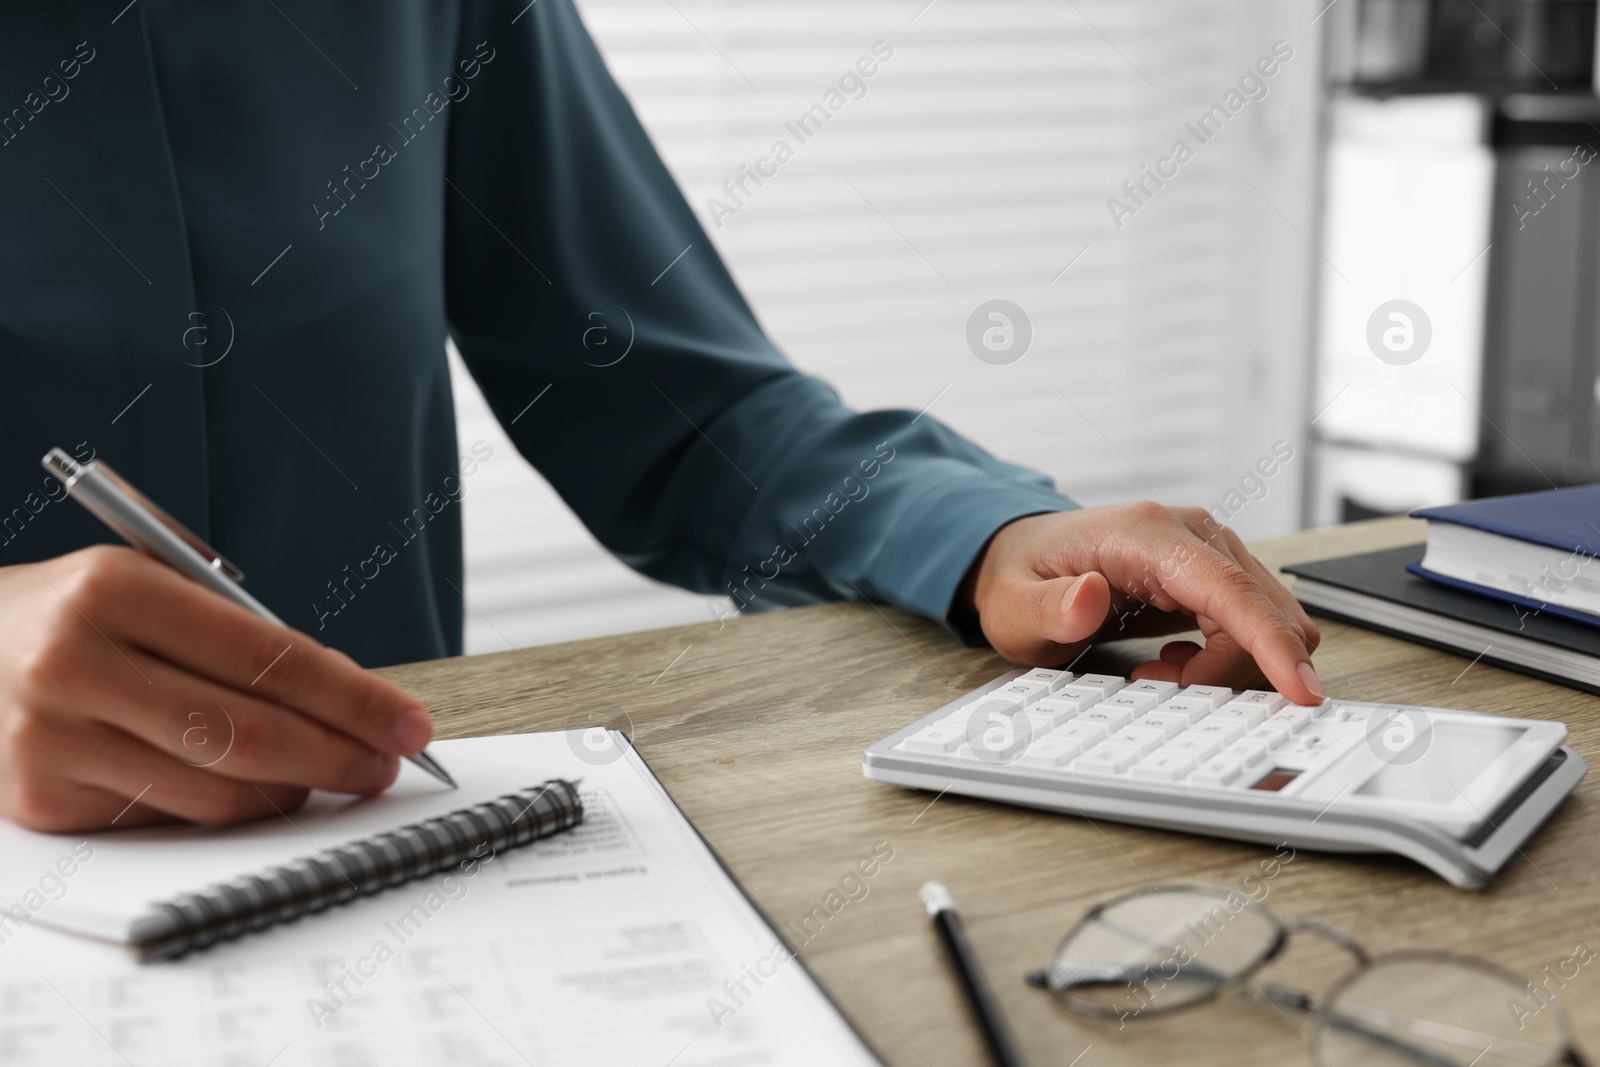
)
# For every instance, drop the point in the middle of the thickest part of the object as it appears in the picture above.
(1276, 779)
(1457, 754)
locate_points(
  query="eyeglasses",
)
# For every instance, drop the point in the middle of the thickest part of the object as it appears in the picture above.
(1171, 947)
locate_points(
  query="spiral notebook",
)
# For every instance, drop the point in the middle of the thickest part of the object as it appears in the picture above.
(362, 867)
(622, 940)
(173, 923)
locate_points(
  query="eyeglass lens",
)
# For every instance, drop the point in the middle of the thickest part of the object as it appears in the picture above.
(1159, 951)
(1440, 1011)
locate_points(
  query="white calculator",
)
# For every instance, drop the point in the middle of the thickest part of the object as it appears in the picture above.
(1457, 791)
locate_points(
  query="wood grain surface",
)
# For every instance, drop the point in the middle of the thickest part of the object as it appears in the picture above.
(756, 726)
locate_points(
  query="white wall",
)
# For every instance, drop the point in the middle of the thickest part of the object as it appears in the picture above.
(977, 166)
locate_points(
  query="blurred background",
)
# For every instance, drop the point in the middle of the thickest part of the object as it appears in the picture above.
(1374, 253)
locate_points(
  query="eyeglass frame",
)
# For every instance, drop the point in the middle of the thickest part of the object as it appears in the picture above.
(1568, 1055)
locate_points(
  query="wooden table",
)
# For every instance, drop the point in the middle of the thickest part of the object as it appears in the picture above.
(756, 726)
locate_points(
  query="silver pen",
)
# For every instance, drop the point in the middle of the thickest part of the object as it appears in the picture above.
(144, 525)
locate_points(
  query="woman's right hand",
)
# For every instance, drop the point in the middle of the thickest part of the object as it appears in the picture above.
(130, 694)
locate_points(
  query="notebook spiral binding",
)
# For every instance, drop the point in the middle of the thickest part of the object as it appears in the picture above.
(315, 883)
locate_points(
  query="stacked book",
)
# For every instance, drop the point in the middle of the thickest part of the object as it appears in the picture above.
(1511, 580)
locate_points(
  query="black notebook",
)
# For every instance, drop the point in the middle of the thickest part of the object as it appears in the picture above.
(1374, 590)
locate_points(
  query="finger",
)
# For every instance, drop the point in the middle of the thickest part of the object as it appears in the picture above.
(1230, 667)
(105, 766)
(1137, 618)
(1044, 621)
(1273, 588)
(1222, 662)
(211, 636)
(1212, 585)
(1156, 670)
(1249, 673)
(1169, 668)
(1189, 537)
(1178, 653)
(56, 805)
(222, 731)
(1231, 664)
(1226, 541)
(129, 815)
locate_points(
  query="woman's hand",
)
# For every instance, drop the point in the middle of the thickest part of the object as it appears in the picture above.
(1047, 586)
(130, 694)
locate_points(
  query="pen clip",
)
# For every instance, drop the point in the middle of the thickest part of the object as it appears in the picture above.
(69, 470)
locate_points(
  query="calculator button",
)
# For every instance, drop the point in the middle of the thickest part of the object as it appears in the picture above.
(935, 740)
(1081, 695)
(1138, 703)
(1056, 711)
(1295, 718)
(1345, 713)
(985, 712)
(1112, 718)
(1264, 699)
(1197, 745)
(993, 703)
(1310, 746)
(1248, 714)
(1085, 732)
(1138, 738)
(1219, 770)
(1039, 725)
(1052, 679)
(1271, 734)
(1190, 708)
(1026, 692)
(1324, 737)
(1163, 765)
(1102, 760)
(1244, 752)
(1214, 696)
(1105, 683)
(1170, 723)
(1049, 752)
(1161, 690)
(1224, 730)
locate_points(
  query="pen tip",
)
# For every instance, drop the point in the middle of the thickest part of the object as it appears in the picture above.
(431, 765)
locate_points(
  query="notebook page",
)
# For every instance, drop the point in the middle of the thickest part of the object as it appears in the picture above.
(608, 944)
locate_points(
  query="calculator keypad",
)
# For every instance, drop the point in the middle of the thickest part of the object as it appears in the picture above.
(1206, 737)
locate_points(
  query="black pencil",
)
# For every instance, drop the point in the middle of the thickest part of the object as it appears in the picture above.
(942, 909)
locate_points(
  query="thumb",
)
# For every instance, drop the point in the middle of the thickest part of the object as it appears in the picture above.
(1073, 609)
(1046, 621)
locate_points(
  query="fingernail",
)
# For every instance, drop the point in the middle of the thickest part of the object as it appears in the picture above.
(1308, 675)
(384, 774)
(414, 730)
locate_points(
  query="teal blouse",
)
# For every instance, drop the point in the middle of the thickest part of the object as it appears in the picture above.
(236, 236)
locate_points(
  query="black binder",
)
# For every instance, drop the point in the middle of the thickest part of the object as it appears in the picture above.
(1374, 590)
